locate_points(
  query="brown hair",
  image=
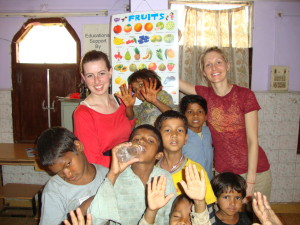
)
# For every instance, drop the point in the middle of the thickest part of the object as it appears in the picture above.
(94, 56)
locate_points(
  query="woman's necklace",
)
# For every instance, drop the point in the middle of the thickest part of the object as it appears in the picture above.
(174, 167)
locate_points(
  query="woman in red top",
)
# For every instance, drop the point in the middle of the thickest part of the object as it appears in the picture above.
(100, 122)
(233, 121)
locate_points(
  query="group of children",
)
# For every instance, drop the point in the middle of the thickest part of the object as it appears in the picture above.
(177, 160)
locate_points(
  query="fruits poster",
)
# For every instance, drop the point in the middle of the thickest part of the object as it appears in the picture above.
(145, 40)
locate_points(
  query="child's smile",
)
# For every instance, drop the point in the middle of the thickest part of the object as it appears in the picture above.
(196, 116)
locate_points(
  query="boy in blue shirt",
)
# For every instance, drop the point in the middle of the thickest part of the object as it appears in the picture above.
(199, 144)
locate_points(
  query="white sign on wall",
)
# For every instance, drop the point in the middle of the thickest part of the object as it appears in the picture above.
(146, 40)
(96, 37)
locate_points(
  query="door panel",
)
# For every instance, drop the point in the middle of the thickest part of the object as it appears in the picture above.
(30, 119)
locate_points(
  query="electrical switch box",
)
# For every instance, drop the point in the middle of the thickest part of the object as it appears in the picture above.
(279, 78)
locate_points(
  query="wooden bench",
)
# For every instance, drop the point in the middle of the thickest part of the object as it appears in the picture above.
(23, 192)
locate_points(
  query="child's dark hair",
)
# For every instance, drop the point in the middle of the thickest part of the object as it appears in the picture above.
(178, 199)
(170, 114)
(92, 56)
(144, 74)
(53, 143)
(188, 99)
(154, 130)
(227, 182)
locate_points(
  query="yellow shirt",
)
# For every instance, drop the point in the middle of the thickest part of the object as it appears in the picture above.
(179, 174)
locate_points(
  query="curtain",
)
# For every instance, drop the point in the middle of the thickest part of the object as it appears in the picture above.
(229, 29)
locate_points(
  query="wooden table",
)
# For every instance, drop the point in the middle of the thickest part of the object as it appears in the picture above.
(15, 154)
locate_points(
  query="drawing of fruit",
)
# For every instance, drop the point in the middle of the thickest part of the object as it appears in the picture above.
(170, 66)
(127, 55)
(118, 41)
(137, 55)
(161, 67)
(119, 80)
(132, 67)
(152, 66)
(169, 38)
(159, 54)
(138, 27)
(148, 26)
(124, 69)
(118, 67)
(170, 25)
(117, 29)
(169, 53)
(142, 66)
(127, 28)
(160, 26)
(156, 38)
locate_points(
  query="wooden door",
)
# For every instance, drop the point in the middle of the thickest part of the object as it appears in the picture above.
(30, 91)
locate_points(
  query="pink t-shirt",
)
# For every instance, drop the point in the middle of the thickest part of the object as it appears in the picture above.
(101, 132)
(226, 121)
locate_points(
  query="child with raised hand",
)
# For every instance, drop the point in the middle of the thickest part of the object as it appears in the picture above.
(121, 198)
(147, 87)
(189, 208)
(263, 210)
(230, 190)
(199, 144)
(173, 127)
(79, 219)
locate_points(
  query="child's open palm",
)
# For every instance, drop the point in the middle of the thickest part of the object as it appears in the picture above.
(150, 92)
(264, 211)
(156, 193)
(79, 219)
(194, 186)
(126, 95)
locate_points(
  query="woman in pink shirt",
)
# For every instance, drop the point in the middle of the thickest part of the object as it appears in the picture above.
(233, 121)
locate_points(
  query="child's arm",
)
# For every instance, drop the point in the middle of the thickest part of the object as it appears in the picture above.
(156, 198)
(195, 187)
(263, 210)
(128, 99)
(150, 94)
(79, 220)
(118, 167)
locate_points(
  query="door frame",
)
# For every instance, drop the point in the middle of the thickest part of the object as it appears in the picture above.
(14, 46)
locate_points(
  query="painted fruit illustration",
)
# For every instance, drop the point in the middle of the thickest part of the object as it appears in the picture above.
(118, 67)
(170, 25)
(156, 38)
(152, 66)
(170, 66)
(117, 29)
(169, 53)
(169, 38)
(119, 80)
(127, 55)
(148, 26)
(138, 27)
(124, 69)
(160, 26)
(142, 66)
(132, 67)
(161, 67)
(127, 28)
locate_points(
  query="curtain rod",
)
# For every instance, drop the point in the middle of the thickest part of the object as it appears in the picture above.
(212, 2)
(53, 14)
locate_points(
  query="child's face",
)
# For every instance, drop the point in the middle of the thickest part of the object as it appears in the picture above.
(149, 141)
(173, 134)
(181, 213)
(230, 202)
(70, 167)
(196, 116)
(137, 86)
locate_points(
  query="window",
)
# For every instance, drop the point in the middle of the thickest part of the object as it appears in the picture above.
(47, 43)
